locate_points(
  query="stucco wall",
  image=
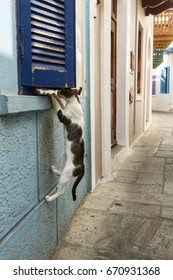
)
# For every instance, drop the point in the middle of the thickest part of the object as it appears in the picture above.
(95, 51)
(163, 102)
(130, 118)
(140, 108)
(29, 143)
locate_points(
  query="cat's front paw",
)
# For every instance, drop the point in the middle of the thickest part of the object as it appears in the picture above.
(46, 93)
(47, 198)
(52, 168)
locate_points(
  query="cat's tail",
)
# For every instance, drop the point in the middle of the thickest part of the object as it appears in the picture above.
(78, 179)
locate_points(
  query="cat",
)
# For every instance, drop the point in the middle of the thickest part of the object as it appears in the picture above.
(71, 115)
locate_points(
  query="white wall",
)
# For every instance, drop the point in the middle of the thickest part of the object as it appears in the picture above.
(123, 62)
(100, 61)
(163, 102)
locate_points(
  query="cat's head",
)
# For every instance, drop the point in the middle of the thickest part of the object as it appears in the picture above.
(67, 93)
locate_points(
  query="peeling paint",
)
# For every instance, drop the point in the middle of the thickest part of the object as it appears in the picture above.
(38, 68)
(44, 68)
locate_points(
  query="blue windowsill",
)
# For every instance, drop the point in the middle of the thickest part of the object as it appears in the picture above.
(12, 104)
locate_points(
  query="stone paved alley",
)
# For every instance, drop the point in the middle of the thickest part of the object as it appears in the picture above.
(130, 217)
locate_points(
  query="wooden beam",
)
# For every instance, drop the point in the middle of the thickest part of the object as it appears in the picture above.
(163, 39)
(159, 9)
(160, 46)
(152, 3)
(162, 42)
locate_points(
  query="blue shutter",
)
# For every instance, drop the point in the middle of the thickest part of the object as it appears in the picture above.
(48, 43)
(163, 81)
(168, 79)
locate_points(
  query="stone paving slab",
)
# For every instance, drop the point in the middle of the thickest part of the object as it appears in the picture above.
(167, 212)
(112, 186)
(164, 154)
(126, 176)
(84, 253)
(105, 230)
(168, 141)
(169, 168)
(168, 172)
(145, 166)
(146, 198)
(143, 158)
(138, 209)
(150, 178)
(145, 151)
(123, 236)
(160, 244)
(151, 142)
(169, 186)
(166, 148)
(169, 161)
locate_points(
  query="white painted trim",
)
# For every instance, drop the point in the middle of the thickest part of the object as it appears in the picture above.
(148, 79)
(92, 96)
(105, 85)
(139, 97)
(123, 66)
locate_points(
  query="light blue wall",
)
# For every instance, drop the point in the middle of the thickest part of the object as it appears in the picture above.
(30, 141)
(18, 168)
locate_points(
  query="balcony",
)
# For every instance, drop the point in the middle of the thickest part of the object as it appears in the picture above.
(163, 36)
(163, 30)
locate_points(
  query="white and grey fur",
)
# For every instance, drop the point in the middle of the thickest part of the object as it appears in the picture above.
(71, 115)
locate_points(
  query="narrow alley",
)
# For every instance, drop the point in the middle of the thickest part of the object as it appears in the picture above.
(130, 217)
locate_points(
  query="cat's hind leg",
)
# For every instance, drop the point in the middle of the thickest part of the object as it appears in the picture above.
(55, 171)
(64, 179)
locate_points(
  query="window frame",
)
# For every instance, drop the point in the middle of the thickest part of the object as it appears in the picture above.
(154, 79)
(165, 80)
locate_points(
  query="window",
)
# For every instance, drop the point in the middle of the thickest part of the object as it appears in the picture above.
(165, 80)
(154, 84)
(47, 43)
(132, 62)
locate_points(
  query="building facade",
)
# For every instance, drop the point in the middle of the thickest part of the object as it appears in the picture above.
(121, 44)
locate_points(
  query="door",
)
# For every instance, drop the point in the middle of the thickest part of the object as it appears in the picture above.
(113, 71)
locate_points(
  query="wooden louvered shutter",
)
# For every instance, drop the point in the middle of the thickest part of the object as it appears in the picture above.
(163, 81)
(168, 79)
(47, 42)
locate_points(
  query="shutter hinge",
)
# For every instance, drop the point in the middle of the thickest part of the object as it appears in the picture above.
(21, 41)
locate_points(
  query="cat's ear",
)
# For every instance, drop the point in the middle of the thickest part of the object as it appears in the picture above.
(67, 92)
(79, 91)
